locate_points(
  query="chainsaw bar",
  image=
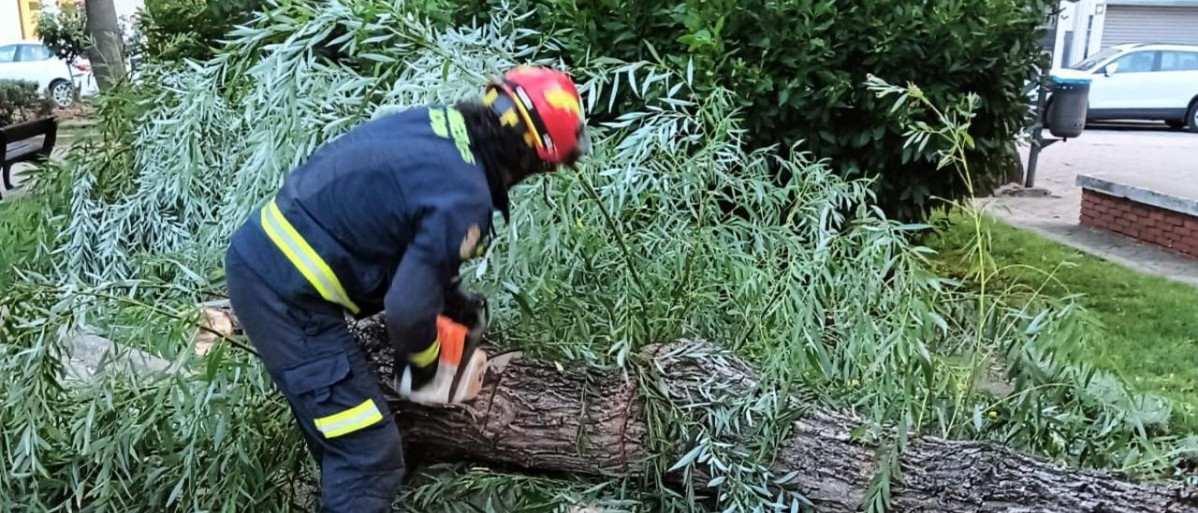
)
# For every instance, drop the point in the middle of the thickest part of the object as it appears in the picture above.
(499, 362)
(472, 345)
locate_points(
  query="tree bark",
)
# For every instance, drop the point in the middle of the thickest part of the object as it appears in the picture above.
(106, 54)
(589, 421)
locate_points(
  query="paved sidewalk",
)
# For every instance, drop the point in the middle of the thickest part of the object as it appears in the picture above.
(1160, 156)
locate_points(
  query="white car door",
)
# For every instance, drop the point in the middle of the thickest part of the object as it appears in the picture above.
(1128, 84)
(25, 62)
(1177, 81)
(10, 69)
(39, 64)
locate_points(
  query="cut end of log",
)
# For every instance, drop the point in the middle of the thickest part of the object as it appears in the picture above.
(215, 323)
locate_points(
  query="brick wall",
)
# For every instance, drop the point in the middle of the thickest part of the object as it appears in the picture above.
(1147, 223)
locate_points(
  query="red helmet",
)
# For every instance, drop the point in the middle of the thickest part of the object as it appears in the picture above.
(546, 102)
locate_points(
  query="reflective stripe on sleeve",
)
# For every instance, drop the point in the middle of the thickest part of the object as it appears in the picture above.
(428, 356)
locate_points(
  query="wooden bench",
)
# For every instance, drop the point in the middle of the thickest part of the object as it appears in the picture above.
(18, 143)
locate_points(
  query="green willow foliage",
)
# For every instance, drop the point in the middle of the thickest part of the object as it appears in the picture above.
(177, 30)
(675, 228)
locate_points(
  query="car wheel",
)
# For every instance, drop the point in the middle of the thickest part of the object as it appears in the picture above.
(1193, 117)
(61, 93)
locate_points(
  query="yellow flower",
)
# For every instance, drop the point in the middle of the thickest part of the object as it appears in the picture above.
(993, 414)
(854, 382)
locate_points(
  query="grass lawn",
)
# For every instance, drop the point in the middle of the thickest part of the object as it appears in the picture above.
(69, 135)
(25, 215)
(1151, 335)
(24, 226)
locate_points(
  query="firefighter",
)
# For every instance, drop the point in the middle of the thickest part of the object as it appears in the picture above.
(380, 219)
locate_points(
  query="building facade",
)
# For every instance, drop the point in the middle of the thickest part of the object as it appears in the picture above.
(1086, 27)
(10, 21)
(18, 18)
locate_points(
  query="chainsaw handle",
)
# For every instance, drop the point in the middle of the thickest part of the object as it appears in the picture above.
(467, 309)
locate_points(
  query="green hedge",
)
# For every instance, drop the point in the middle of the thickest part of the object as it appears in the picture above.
(799, 67)
(20, 101)
(173, 30)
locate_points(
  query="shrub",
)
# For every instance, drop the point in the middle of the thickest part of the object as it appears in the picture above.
(173, 30)
(799, 67)
(64, 32)
(20, 101)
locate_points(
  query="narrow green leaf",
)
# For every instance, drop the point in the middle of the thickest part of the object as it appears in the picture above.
(687, 458)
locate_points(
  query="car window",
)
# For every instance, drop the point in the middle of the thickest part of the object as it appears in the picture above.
(1179, 61)
(32, 53)
(1138, 62)
(1095, 59)
(8, 53)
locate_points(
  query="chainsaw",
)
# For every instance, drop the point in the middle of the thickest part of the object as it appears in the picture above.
(465, 315)
(470, 312)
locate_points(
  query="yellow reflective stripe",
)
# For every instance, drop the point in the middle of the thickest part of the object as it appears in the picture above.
(457, 126)
(359, 417)
(303, 257)
(437, 119)
(461, 138)
(532, 136)
(509, 118)
(560, 99)
(427, 356)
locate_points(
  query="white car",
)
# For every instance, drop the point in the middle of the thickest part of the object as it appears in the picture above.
(33, 61)
(1142, 82)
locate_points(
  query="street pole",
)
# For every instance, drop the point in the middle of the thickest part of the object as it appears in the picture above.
(1037, 134)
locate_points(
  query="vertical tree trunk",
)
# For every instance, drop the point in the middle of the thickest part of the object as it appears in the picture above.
(107, 53)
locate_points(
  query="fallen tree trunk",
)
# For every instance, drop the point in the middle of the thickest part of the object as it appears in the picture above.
(587, 421)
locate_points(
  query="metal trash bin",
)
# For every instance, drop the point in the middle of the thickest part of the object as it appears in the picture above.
(1066, 116)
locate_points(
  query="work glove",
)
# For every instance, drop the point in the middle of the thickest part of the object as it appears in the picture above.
(457, 374)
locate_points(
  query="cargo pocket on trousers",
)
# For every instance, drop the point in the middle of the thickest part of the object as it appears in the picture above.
(336, 407)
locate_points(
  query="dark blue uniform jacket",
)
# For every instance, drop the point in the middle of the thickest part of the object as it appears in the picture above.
(392, 207)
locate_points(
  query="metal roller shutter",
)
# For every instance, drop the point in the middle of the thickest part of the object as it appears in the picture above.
(1143, 24)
